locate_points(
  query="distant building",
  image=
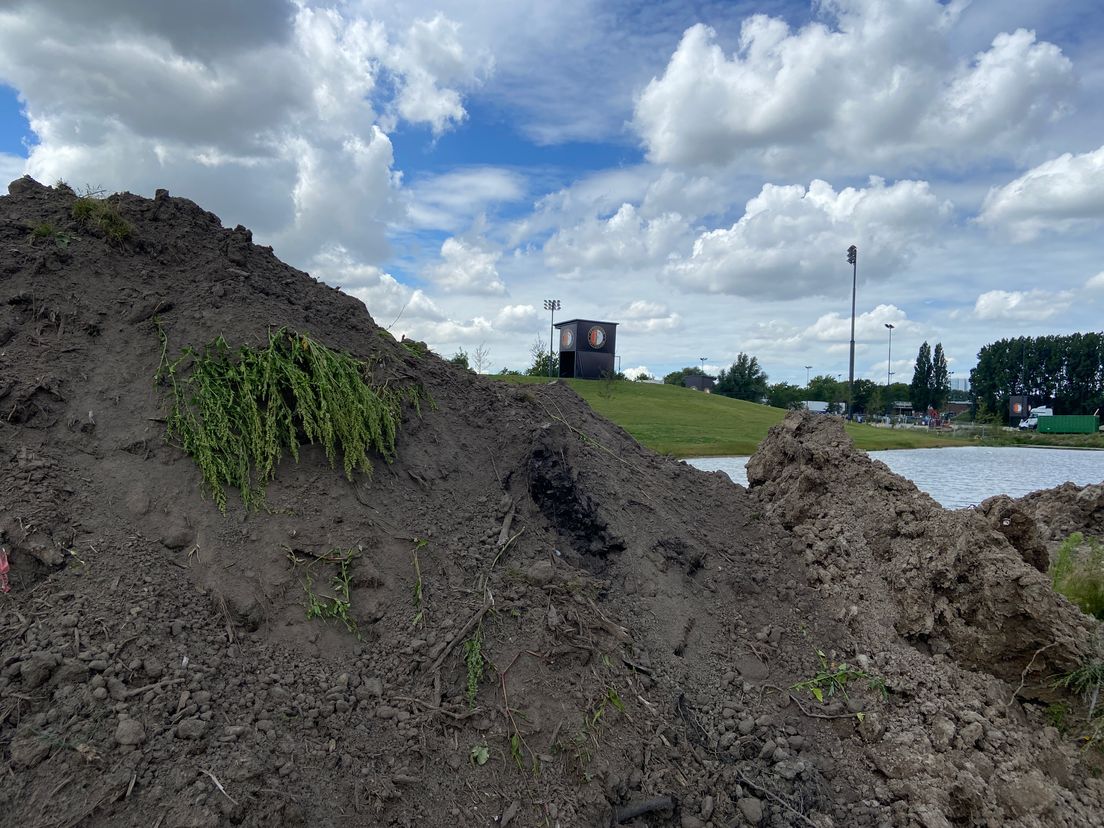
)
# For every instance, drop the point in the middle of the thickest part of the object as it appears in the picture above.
(960, 383)
(956, 407)
(817, 406)
(699, 382)
(902, 408)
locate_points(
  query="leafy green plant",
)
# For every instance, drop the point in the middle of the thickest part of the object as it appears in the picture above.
(833, 678)
(475, 662)
(45, 230)
(1077, 572)
(479, 754)
(237, 413)
(337, 605)
(103, 216)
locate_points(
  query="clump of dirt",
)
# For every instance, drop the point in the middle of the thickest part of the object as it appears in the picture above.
(527, 618)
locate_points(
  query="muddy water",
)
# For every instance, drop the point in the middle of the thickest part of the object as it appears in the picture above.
(965, 476)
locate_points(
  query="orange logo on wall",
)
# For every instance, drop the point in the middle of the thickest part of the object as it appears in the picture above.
(1017, 408)
(567, 339)
(596, 337)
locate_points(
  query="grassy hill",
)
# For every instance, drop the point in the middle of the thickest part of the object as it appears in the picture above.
(674, 420)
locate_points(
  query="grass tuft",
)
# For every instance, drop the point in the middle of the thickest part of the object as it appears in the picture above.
(103, 216)
(237, 413)
(1077, 572)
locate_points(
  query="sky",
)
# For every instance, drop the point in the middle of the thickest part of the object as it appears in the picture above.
(694, 171)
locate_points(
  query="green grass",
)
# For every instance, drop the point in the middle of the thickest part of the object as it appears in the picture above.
(679, 421)
(1078, 573)
(104, 216)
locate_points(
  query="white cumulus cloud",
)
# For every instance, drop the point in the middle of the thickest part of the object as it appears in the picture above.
(1064, 193)
(276, 117)
(467, 267)
(623, 240)
(791, 241)
(878, 83)
(518, 318)
(1021, 304)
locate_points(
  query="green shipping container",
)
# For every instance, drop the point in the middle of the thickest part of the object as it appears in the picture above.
(1069, 424)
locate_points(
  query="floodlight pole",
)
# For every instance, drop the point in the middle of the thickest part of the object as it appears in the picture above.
(552, 305)
(889, 366)
(853, 260)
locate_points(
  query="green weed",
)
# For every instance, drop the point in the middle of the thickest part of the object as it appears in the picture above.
(473, 658)
(103, 216)
(417, 349)
(578, 746)
(45, 231)
(1085, 681)
(479, 754)
(237, 413)
(833, 678)
(1077, 572)
(1057, 715)
(337, 605)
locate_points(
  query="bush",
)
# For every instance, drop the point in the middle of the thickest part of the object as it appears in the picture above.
(1078, 573)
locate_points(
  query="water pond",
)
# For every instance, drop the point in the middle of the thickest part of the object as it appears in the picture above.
(964, 476)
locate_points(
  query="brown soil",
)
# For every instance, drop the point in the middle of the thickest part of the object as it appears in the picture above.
(644, 623)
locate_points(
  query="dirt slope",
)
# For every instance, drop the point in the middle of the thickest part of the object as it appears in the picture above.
(643, 622)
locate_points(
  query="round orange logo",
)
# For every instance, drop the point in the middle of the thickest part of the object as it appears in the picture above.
(567, 339)
(596, 337)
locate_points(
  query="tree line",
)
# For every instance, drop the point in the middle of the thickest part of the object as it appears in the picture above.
(1064, 371)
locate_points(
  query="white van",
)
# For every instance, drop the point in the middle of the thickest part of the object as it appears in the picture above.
(1032, 421)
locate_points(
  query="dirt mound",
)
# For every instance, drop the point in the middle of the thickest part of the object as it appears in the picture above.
(1061, 511)
(548, 624)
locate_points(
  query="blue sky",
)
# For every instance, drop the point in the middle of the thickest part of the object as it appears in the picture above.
(694, 171)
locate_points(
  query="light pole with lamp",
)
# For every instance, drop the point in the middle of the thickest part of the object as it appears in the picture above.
(552, 305)
(807, 367)
(702, 361)
(889, 370)
(853, 260)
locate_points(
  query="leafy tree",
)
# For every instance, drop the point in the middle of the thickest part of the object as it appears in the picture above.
(826, 388)
(863, 392)
(509, 372)
(676, 377)
(643, 378)
(544, 364)
(920, 389)
(1066, 372)
(744, 380)
(784, 395)
(941, 381)
(460, 359)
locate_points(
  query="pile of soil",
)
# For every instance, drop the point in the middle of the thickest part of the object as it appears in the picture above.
(642, 624)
